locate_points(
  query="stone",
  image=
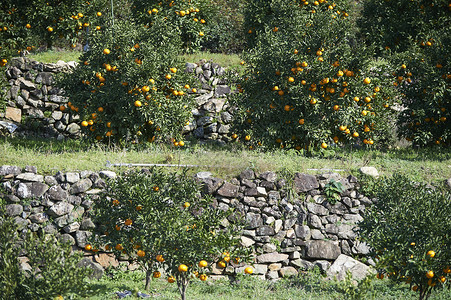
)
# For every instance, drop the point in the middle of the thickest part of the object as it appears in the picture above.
(97, 270)
(269, 248)
(228, 190)
(82, 237)
(38, 218)
(38, 189)
(10, 170)
(268, 176)
(73, 128)
(66, 239)
(57, 193)
(31, 169)
(59, 209)
(87, 224)
(278, 225)
(202, 99)
(302, 232)
(288, 271)
(304, 183)
(21, 222)
(253, 220)
(35, 113)
(45, 78)
(23, 191)
(317, 235)
(344, 264)
(106, 260)
(190, 67)
(14, 209)
(302, 264)
(81, 186)
(30, 177)
(271, 258)
(260, 269)
(73, 227)
(314, 221)
(323, 265)
(272, 275)
(13, 114)
(346, 232)
(226, 117)
(317, 249)
(222, 90)
(317, 209)
(246, 242)
(275, 267)
(26, 84)
(370, 171)
(360, 248)
(72, 177)
(224, 129)
(108, 174)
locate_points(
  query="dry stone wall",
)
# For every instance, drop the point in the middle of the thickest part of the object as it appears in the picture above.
(33, 102)
(287, 231)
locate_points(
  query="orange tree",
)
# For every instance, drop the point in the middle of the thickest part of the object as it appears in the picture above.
(408, 230)
(414, 35)
(188, 19)
(159, 220)
(305, 86)
(131, 85)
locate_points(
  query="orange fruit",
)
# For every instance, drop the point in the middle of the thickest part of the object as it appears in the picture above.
(186, 204)
(99, 14)
(203, 264)
(138, 103)
(49, 29)
(336, 107)
(430, 274)
(181, 143)
(355, 134)
(234, 136)
(290, 79)
(160, 258)
(119, 247)
(430, 253)
(156, 274)
(442, 279)
(201, 33)
(366, 80)
(106, 51)
(182, 268)
(88, 247)
(323, 145)
(171, 279)
(84, 124)
(141, 253)
(222, 264)
(286, 108)
(301, 121)
(227, 258)
(128, 222)
(203, 277)
(28, 26)
(249, 270)
(447, 270)
(247, 137)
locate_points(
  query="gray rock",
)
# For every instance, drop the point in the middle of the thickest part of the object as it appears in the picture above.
(38, 218)
(226, 117)
(38, 189)
(97, 270)
(82, 237)
(222, 90)
(50, 229)
(317, 235)
(72, 177)
(26, 84)
(271, 258)
(59, 209)
(272, 275)
(288, 271)
(448, 183)
(45, 78)
(10, 170)
(62, 221)
(202, 99)
(322, 250)
(190, 67)
(323, 265)
(81, 186)
(269, 248)
(253, 220)
(317, 209)
(66, 239)
(360, 248)
(108, 174)
(304, 183)
(73, 128)
(21, 222)
(30, 177)
(344, 264)
(57, 193)
(23, 191)
(210, 129)
(228, 190)
(268, 176)
(199, 132)
(31, 169)
(302, 232)
(73, 227)
(247, 174)
(314, 221)
(265, 230)
(246, 242)
(223, 129)
(14, 209)
(370, 171)
(302, 264)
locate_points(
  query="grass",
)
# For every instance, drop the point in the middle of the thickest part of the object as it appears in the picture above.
(53, 56)
(306, 286)
(230, 61)
(430, 165)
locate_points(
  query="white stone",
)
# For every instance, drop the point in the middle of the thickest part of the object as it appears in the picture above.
(108, 174)
(246, 242)
(370, 171)
(345, 263)
(278, 225)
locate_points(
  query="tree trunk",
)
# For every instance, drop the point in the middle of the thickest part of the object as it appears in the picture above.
(148, 278)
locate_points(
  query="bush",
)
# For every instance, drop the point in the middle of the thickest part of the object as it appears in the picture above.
(188, 20)
(52, 271)
(160, 221)
(414, 35)
(305, 86)
(129, 86)
(407, 231)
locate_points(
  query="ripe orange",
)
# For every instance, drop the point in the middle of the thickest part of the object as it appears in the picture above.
(247, 137)
(430, 274)
(49, 29)
(28, 26)
(88, 247)
(380, 276)
(171, 279)
(106, 51)
(141, 253)
(84, 124)
(156, 274)
(355, 134)
(249, 270)
(99, 14)
(181, 143)
(442, 279)
(128, 222)
(119, 247)
(182, 268)
(138, 103)
(430, 253)
(366, 80)
(186, 204)
(203, 277)
(290, 79)
(203, 264)
(301, 121)
(323, 145)
(160, 258)
(447, 270)
(222, 264)
(286, 108)
(336, 107)
(201, 33)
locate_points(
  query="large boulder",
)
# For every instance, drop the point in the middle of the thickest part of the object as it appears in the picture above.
(322, 250)
(343, 264)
